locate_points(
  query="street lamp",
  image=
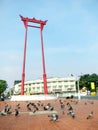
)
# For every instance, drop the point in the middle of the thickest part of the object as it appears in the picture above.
(77, 79)
(79, 96)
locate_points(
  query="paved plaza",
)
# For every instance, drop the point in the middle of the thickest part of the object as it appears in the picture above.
(39, 120)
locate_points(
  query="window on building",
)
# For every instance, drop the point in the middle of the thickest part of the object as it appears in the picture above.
(29, 89)
(60, 81)
(65, 87)
(49, 88)
(33, 88)
(54, 87)
(48, 82)
(60, 86)
(65, 81)
(26, 89)
(54, 81)
(72, 86)
(71, 81)
(38, 88)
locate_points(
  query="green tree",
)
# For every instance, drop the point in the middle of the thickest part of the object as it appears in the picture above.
(85, 80)
(3, 86)
(8, 94)
(16, 82)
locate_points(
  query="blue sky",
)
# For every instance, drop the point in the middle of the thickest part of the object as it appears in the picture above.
(70, 38)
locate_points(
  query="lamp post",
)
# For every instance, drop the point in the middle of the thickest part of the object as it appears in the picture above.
(79, 96)
(77, 80)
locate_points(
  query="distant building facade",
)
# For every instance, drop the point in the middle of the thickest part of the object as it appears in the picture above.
(54, 85)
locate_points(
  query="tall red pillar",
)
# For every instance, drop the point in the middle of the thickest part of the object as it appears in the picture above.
(24, 58)
(43, 61)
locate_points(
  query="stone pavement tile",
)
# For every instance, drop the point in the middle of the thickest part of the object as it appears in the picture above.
(25, 121)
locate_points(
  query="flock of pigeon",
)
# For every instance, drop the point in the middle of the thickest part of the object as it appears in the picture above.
(7, 110)
(32, 107)
(71, 110)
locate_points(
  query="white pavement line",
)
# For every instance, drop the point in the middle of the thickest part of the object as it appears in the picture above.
(42, 112)
(36, 113)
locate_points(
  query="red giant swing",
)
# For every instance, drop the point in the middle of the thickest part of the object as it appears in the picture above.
(41, 24)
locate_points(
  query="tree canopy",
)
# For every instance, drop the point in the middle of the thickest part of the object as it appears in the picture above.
(3, 86)
(85, 80)
(16, 82)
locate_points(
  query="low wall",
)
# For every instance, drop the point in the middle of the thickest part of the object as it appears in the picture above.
(32, 97)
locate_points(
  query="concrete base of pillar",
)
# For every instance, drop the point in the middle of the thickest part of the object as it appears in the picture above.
(32, 97)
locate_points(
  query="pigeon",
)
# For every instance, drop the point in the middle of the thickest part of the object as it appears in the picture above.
(16, 112)
(18, 105)
(3, 113)
(90, 115)
(9, 110)
(6, 106)
(35, 109)
(92, 102)
(52, 108)
(85, 103)
(72, 114)
(54, 117)
(28, 107)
